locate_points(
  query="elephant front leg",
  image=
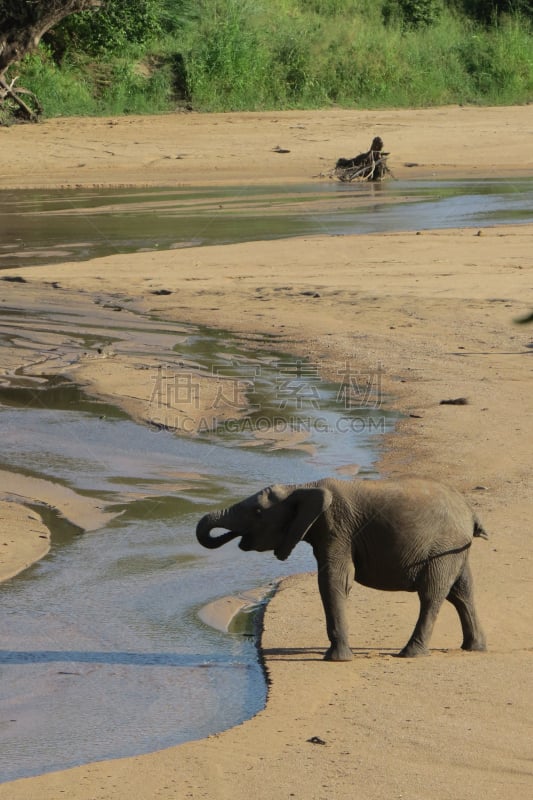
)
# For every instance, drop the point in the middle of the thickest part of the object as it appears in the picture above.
(334, 586)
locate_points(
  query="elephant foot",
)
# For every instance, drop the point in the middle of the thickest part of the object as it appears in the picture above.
(478, 645)
(338, 653)
(413, 650)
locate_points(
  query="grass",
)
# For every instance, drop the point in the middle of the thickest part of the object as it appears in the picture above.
(354, 60)
(244, 55)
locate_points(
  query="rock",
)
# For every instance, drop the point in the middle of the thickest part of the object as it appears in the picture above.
(457, 401)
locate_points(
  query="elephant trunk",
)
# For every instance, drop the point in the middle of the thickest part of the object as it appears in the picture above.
(217, 519)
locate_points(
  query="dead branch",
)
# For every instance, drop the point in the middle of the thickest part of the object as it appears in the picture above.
(7, 91)
(368, 166)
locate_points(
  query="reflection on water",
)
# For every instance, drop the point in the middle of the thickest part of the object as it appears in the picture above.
(102, 651)
(38, 227)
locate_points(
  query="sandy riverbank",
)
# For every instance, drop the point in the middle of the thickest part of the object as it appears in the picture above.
(436, 313)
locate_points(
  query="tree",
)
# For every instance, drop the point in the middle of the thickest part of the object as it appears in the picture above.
(22, 25)
(119, 24)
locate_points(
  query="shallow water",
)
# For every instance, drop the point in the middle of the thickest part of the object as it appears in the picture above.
(38, 227)
(102, 651)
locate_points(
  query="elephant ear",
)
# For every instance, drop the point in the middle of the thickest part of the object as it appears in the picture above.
(308, 505)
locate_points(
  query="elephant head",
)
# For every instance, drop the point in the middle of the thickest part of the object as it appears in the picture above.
(276, 518)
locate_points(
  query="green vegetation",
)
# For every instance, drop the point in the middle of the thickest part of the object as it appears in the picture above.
(150, 56)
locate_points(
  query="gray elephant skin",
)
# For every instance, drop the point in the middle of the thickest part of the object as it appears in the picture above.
(408, 534)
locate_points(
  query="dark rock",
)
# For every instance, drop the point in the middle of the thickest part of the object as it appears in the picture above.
(316, 740)
(457, 401)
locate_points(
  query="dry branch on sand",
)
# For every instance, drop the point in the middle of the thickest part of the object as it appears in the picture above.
(368, 166)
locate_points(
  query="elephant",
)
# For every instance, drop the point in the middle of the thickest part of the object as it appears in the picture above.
(406, 534)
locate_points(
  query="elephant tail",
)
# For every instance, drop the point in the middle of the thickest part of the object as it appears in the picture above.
(479, 530)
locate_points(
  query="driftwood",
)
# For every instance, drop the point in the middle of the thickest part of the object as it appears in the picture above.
(11, 95)
(368, 166)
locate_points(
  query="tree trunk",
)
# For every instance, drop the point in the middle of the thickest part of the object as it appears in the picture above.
(22, 25)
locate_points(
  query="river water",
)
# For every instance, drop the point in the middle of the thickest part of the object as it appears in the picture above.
(66, 225)
(102, 650)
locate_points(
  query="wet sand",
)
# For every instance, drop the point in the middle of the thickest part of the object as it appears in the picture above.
(24, 538)
(435, 314)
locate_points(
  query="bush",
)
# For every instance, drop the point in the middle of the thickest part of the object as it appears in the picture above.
(116, 26)
(227, 65)
(412, 13)
(60, 91)
(498, 64)
(488, 11)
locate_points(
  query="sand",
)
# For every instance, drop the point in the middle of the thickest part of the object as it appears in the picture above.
(433, 312)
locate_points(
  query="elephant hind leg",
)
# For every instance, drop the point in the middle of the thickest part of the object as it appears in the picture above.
(461, 596)
(432, 592)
